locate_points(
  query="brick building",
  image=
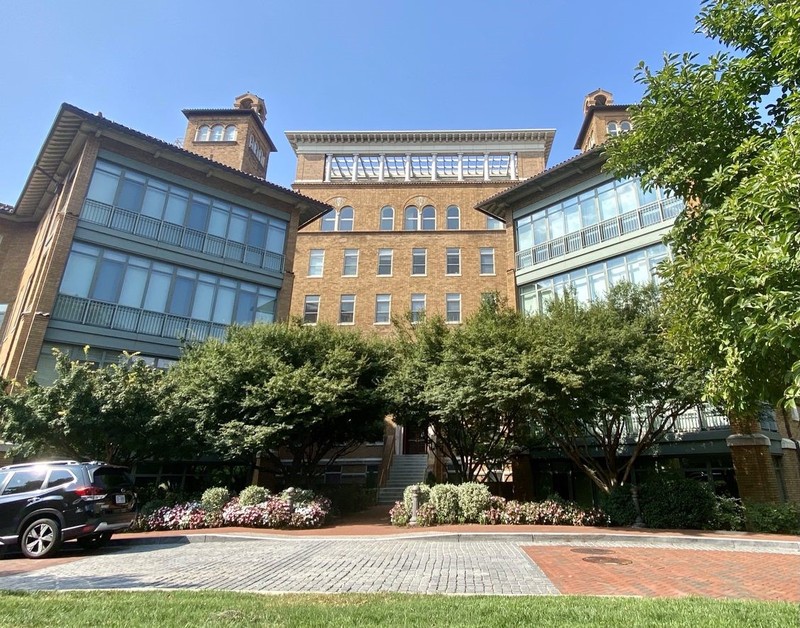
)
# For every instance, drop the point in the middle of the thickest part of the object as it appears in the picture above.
(404, 236)
(123, 242)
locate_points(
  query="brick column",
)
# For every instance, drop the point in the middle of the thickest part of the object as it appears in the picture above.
(755, 470)
(790, 469)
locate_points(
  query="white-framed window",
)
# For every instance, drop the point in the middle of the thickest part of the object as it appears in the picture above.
(612, 129)
(419, 261)
(625, 126)
(383, 309)
(203, 133)
(311, 309)
(347, 309)
(230, 133)
(350, 264)
(453, 307)
(316, 262)
(493, 223)
(416, 220)
(487, 261)
(417, 307)
(217, 133)
(338, 220)
(453, 261)
(387, 218)
(453, 217)
(385, 257)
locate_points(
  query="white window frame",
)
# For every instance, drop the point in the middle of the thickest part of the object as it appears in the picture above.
(312, 254)
(309, 300)
(424, 254)
(387, 299)
(456, 253)
(384, 252)
(350, 253)
(418, 314)
(484, 251)
(349, 299)
(452, 297)
(453, 219)
(389, 219)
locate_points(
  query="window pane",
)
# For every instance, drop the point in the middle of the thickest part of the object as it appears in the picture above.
(428, 218)
(572, 215)
(607, 199)
(218, 225)
(494, 223)
(418, 261)
(157, 291)
(25, 481)
(453, 307)
(257, 232)
(316, 262)
(181, 301)
(103, 187)
(198, 213)
(154, 199)
(176, 207)
(216, 133)
(588, 209)
(223, 305)
(487, 261)
(276, 236)
(628, 197)
(524, 235)
(350, 268)
(246, 307)
(411, 219)
(347, 307)
(385, 261)
(237, 227)
(453, 217)
(131, 193)
(265, 307)
(108, 281)
(78, 275)
(453, 261)
(133, 287)
(311, 309)
(383, 305)
(203, 299)
(328, 222)
(387, 219)
(346, 219)
(230, 133)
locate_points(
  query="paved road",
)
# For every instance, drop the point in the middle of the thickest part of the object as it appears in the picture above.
(327, 566)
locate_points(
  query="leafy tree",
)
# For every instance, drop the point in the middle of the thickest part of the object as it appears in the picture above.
(466, 385)
(310, 391)
(725, 134)
(607, 383)
(112, 413)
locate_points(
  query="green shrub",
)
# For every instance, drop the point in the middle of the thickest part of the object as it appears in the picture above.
(253, 495)
(672, 501)
(215, 498)
(424, 495)
(473, 499)
(445, 498)
(398, 515)
(426, 515)
(777, 518)
(729, 513)
(618, 505)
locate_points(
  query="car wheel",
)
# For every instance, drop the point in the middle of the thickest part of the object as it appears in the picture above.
(94, 541)
(41, 538)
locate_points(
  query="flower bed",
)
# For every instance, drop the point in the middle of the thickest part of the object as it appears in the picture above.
(496, 510)
(305, 511)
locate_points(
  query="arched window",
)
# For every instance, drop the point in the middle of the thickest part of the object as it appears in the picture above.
(453, 217)
(345, 219)
(624, 126)
(412, 218)
(428, 218)
(230, 133)
(341, 220)
(203, 133)
(611, 127)
(387, 218)
(217, 132)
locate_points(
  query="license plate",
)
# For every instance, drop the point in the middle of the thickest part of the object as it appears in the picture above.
(119, 499)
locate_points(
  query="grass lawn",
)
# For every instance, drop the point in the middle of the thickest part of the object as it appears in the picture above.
(210, 608)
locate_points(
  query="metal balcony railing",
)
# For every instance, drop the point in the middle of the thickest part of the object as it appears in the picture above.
(131, 222)
(702, 419)
(629, 222)
(123, 318)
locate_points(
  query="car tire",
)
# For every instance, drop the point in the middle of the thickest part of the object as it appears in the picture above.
(41, 538)
(94, 541)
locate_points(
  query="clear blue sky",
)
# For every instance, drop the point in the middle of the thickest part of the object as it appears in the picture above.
(321, 65)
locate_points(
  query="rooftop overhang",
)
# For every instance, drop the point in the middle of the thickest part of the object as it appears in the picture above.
(521, 140)
(69, 133)
(241, 113)
(503, 204)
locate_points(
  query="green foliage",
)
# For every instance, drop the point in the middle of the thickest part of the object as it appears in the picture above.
(618, 504)
(776, 518)
(312, 390)
(725, 133)
(115, 413)
(399, 515)
(672, 501)
(467, 385)
(426, 515)
(215, 498)
(605, 378)
(424, 495)
(473, 499)
(445, 498)
(252, 495)
(728, 513)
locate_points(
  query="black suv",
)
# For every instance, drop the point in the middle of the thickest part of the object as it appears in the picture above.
(43, 504)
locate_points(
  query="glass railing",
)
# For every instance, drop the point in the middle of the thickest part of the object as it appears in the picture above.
(624, 224)
(160, 231)
(123, 318)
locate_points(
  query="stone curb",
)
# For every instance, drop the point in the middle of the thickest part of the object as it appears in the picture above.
(538, 538)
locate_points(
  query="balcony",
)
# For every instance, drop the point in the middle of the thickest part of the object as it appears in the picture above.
(126, 221)
(122, 318)
(703, 419)
(645, 216)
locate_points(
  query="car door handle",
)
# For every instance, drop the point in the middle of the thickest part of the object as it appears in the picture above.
(33, 500)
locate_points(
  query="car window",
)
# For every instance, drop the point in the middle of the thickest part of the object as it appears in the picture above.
(3, 476)
(24, 481)
(111, 478)
(59, 477)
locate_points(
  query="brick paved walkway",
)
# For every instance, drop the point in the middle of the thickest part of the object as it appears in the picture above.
(653, 572)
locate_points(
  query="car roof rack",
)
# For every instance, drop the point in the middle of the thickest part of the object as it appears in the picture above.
(40, 463)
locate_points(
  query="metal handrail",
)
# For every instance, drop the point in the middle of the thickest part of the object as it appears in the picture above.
(161, 231)
(629, 222)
